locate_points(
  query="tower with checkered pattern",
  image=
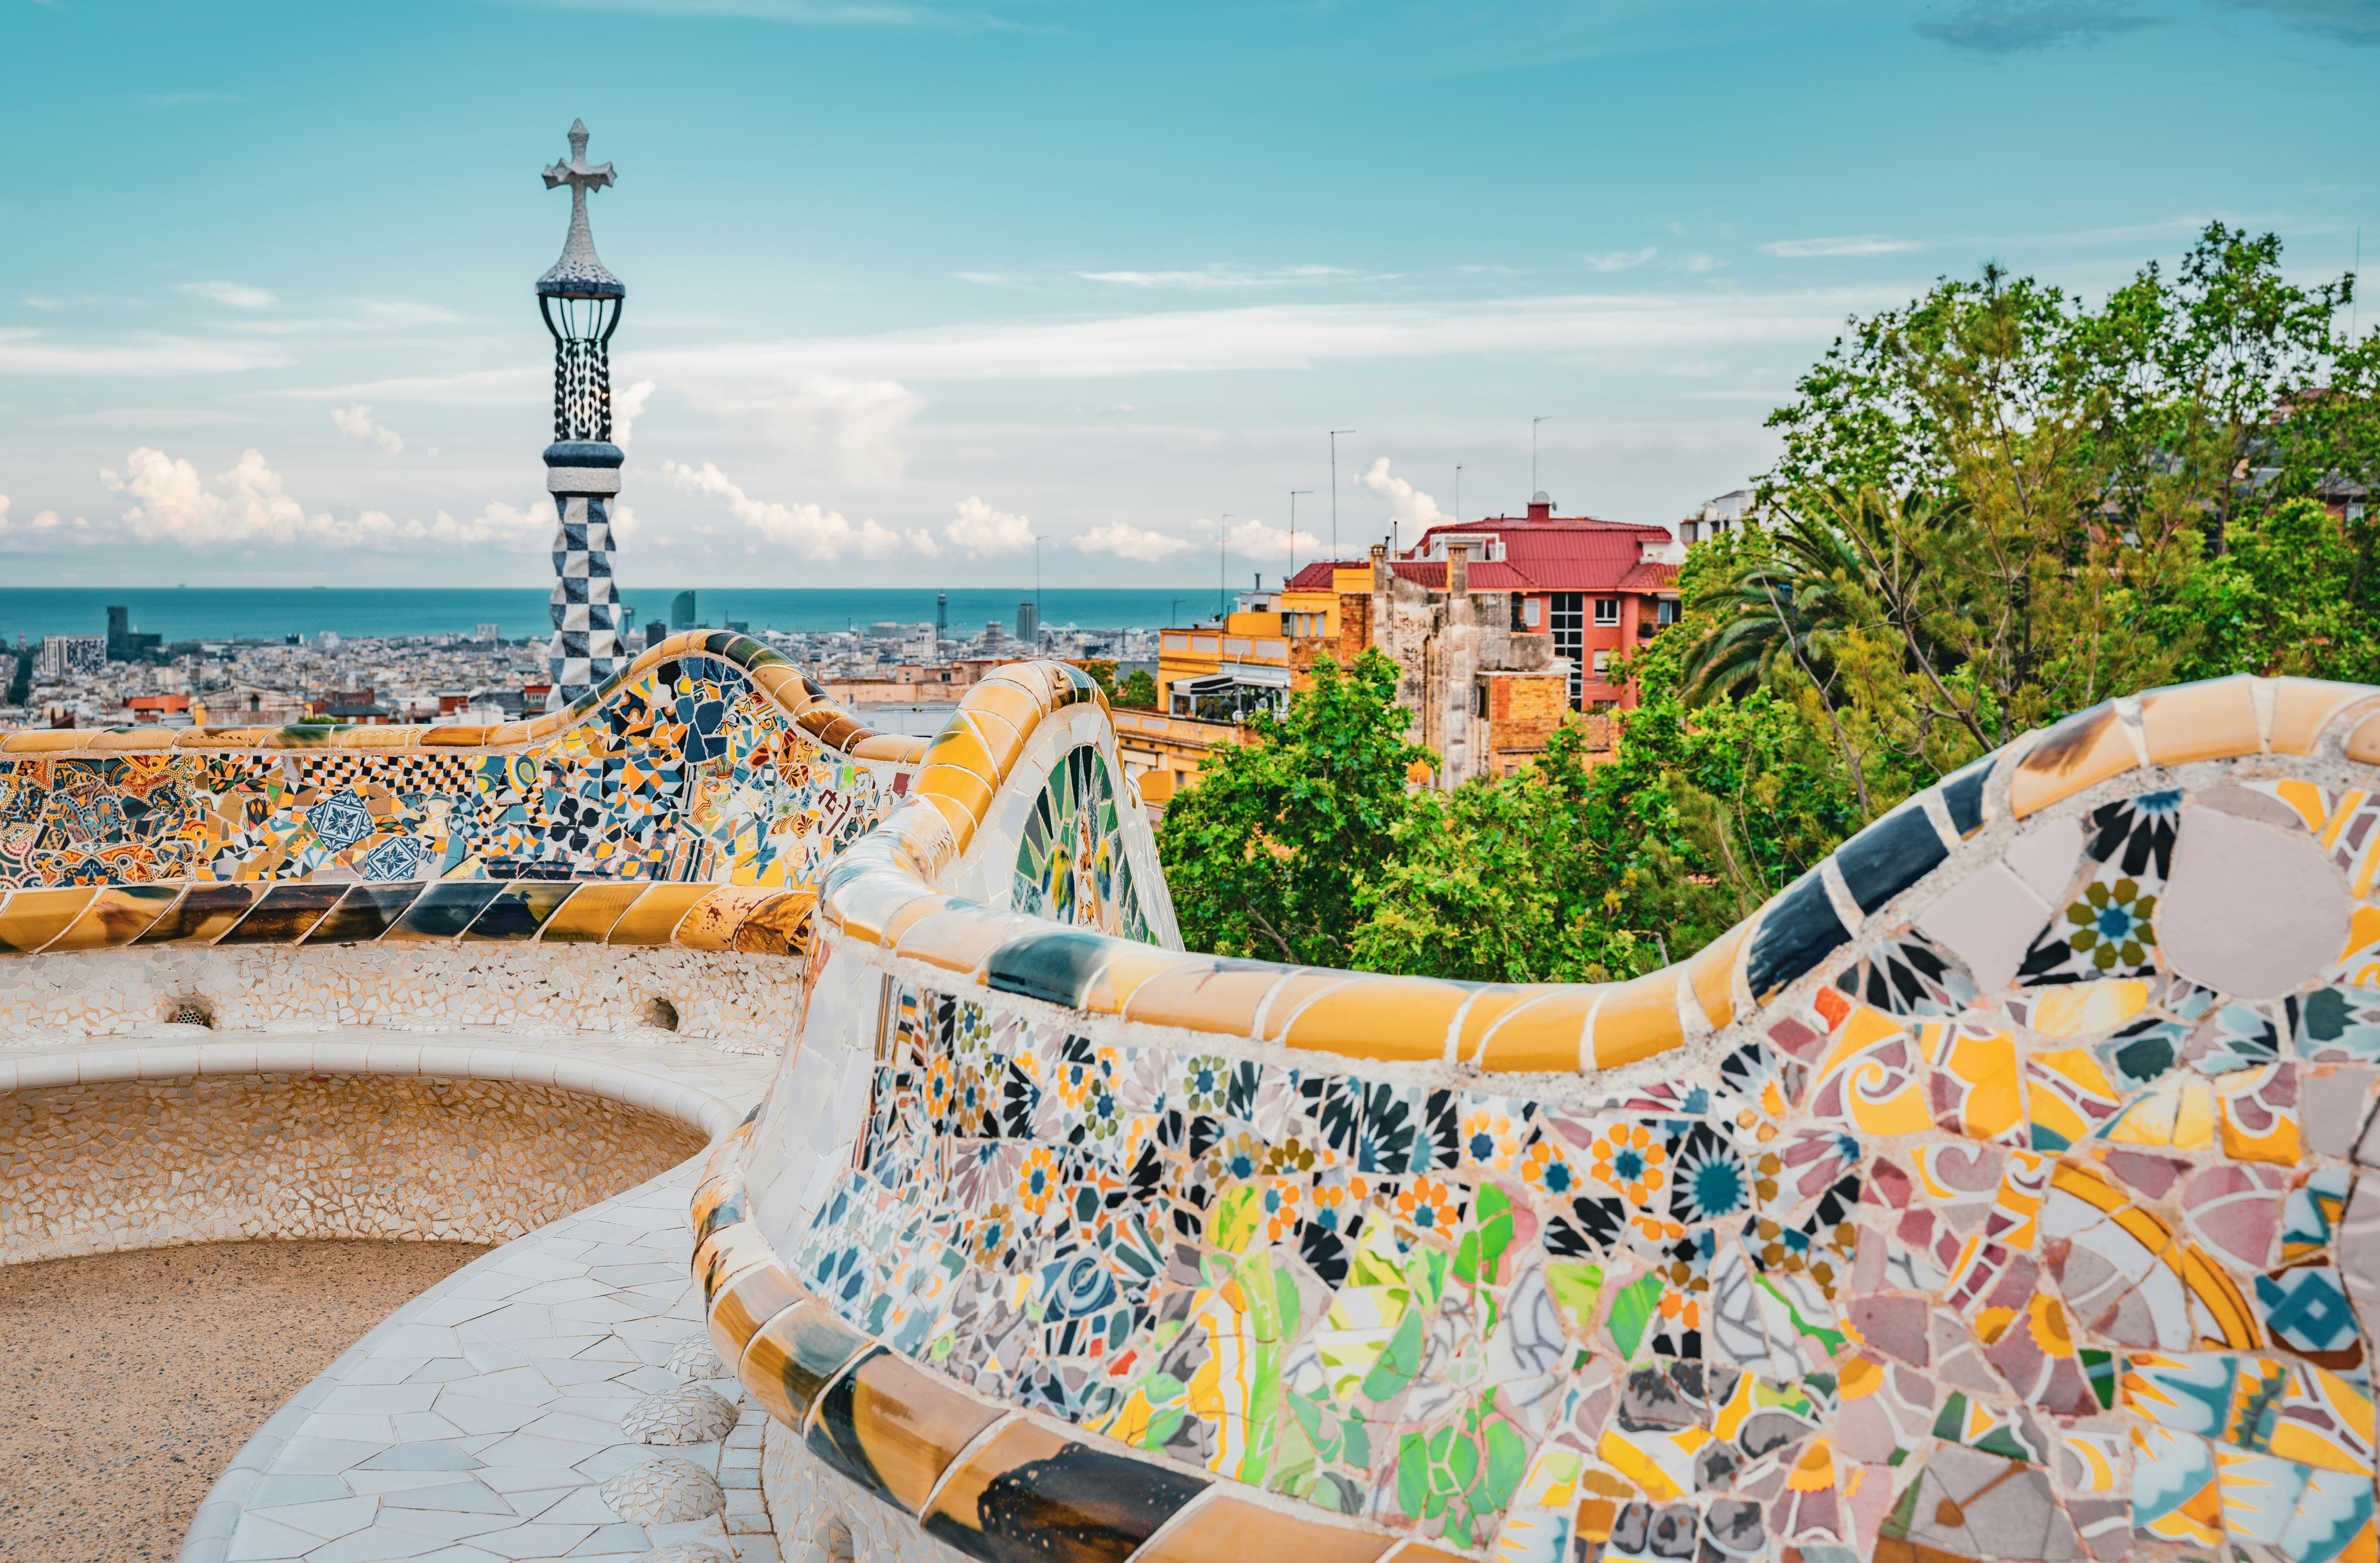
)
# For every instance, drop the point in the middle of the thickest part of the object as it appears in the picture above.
(581, 302)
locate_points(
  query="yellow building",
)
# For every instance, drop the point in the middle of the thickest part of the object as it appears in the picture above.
(1222, 672)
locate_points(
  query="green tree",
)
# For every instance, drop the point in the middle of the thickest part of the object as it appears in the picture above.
(20, 682)
(1266, 853)
(1102, 672)
(2297, 592)
(1138, 690)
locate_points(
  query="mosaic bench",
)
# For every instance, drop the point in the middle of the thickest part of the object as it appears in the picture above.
(1993, 1192)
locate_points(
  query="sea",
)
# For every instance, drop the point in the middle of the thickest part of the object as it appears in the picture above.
(223, 613)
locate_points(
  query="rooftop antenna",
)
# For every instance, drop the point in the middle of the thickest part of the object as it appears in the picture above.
(1037, 583)
(1334, 489)
(1533, 454)
(1222, 552)
(1292, 532)
(1458, 493)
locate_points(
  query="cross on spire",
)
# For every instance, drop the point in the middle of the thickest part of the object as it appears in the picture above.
(578, 272)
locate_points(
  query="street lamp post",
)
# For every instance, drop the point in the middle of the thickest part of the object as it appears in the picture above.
(1222, 556)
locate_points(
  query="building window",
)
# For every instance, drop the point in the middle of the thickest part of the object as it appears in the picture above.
(1570, 636)
(1531, 612)
(1606, 610)
(1668, 613)
(1602, 666)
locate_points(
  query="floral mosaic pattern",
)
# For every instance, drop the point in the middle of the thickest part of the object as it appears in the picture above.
(1071, 865)
(687, 772)
(2067, 1269)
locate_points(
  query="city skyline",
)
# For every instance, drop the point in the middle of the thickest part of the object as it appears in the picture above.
(912, 285)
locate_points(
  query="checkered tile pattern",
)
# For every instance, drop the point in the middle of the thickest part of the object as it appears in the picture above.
(586, 646)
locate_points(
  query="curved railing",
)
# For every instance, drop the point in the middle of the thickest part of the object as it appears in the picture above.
(692, 800)
(1990, 1192)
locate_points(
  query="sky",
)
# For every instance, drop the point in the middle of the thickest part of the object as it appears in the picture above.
(912, 284)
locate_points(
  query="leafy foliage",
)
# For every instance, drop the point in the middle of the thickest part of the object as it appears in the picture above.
(1993, 507)
(1137, 690)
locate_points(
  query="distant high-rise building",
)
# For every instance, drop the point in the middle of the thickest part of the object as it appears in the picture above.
(489, 634)
(992, 635)
(682, 610)
(65, 655)
(123, 645)
(942, 616)
(738, 626)
(1028, 622)
(655, 633)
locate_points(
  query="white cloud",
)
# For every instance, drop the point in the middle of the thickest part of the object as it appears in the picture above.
(628, 406)
(1695, 263)
(29, 352)
(1264, 336)
(1855, 244)
(172, 504)
(1409, 505)
(1253, 539)
(1125, 540)
(355, 421)
(239, 295)
(983, 531)
(1215, 276)
(43, 527)
(1619, 260)
(819, 533)
(857, 425)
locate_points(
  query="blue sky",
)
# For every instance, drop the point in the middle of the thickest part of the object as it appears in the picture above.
(910, 282)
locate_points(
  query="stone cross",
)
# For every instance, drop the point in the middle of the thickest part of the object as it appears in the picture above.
(577, 174)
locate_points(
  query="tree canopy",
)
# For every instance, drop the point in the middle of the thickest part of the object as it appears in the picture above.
(1995, 506)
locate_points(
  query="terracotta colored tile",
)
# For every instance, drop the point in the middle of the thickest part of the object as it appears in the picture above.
(285, 914)
(1001, 743)
(891, 746)
(960, 820)
(51, 741)
(834, 729)
(971, 791)
(1422, 1552)
(1522, 1031)
(958, 935)
(711, 923)
(2303, 707)
(129, 741)
(118, 914)
(201, 916)
(779, 926)
(1076, 1503)
(2363, 743)
(515, 914)
(1638, 1019)
(1394, 1018)
(34, 917)
(1301, 987)
(1219, 997)
(365, 912)
(2081, 752)
(455, 736)
(1226, 1529)
(2198, 721)
(588, 915)
(894, 1429)
(796, 1353)
(656, 915)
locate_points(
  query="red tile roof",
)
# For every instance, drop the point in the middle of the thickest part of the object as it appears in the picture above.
(1569, 553)
(1483, 576)
(1321, 575)
(1650, 577)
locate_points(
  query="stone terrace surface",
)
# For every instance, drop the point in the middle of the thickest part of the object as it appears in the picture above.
(478, 1422)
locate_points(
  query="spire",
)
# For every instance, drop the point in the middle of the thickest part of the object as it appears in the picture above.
(579, 273)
